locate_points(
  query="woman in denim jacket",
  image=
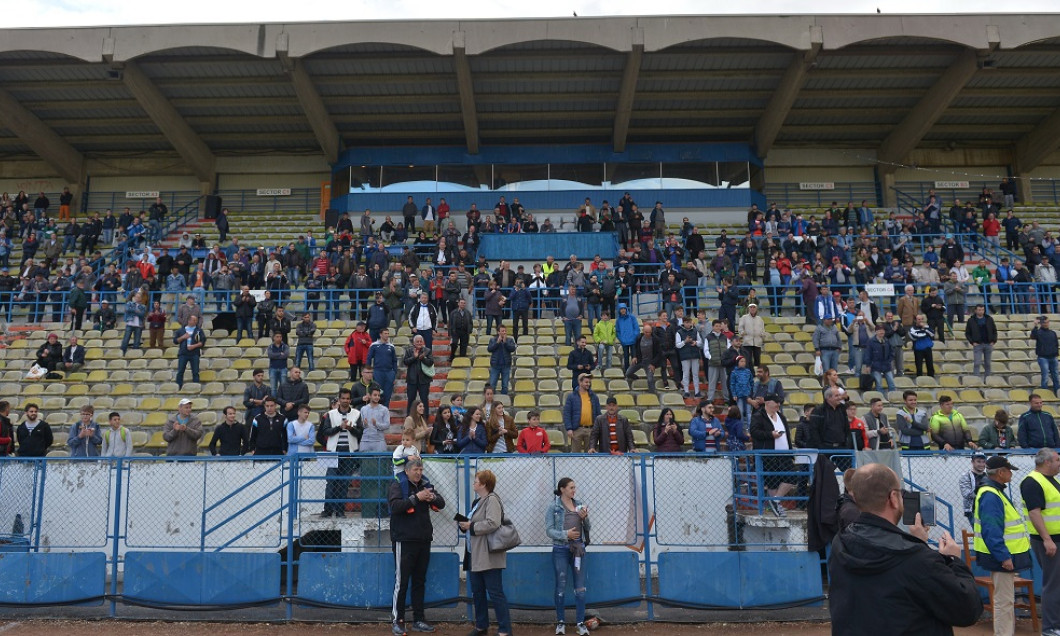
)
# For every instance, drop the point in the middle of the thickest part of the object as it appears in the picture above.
(567, 524)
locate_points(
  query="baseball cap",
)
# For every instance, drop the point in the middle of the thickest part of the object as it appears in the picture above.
(183, 402)
(612, 400)
(773, 397)
(978, 455)
(998, 461)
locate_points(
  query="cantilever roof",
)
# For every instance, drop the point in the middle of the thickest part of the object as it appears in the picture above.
(783, 81)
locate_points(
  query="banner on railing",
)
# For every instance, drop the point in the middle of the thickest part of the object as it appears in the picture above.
(952, 185)
(879, 289)
(274, 192)
(142, 194)
(817, 185)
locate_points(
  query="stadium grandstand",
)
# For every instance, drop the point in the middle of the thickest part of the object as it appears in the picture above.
(865, 203)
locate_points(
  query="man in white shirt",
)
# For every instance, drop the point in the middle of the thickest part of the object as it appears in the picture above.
(769, 431)
(340, 433)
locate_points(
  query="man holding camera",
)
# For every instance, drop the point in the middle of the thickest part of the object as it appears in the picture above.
(1001, 544)
(1046, 349)
(412, 498)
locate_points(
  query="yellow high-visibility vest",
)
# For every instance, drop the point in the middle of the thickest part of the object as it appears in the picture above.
(1016, 539)
(1051, 511)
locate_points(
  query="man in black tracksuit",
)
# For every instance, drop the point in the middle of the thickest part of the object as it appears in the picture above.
(412, 498)
(268, 432)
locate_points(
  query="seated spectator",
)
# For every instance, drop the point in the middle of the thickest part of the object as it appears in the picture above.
(949, 430)
(105, 317)
(997, 434)
(34, 434)
(85, 439)
(182, 431)
(50, 354)
(73, 357)
(117, 440)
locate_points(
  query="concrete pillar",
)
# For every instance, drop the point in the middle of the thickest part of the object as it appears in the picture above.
(886, 180)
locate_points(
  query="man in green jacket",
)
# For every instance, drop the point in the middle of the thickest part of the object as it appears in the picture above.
(78, 301)
(605, 338)
(949, 429)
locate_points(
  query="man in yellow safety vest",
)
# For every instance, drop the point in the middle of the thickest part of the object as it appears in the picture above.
(1041, 504)
(1001, 544)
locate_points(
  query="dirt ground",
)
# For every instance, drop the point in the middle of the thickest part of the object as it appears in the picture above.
(133, 628)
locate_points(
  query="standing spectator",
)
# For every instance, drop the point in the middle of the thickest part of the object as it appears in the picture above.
(997, 434)
(934, 309)
(78, 301)
(419, 364)
(533, 439)
(278, 353)
(970, 482)
(265, 310)
(409, 212)
(245, 304)
(493, 304)
(85, 438)
(117, 440)
(876, 426)
(1041, 497)
(156, 325)
(222, 224)
(826, 344)
(627, 330)
(411, 499)
(423, 320)
(189, 309)
(521, 300)
(300, 437)
(571, 314)
(501, 349)
(268, 431)
(485, 567)
(714, 346)
(501, 433)
(949, 429)
(306, 334)
(568, 528)
(1046, 349)
(375, 420)
(923, 338)
(356, 347)
(230, 434)
(908, 307)
(190, 339)
(580, 410)
(461, 324)
(689, 344)
(382, 358)
(339, 432)
(7, 432)
(292, 392)
(667, 433)
(881, 359)
(1001, 544)
(646, 354)
(1037, 429)
(752, 328)
(34, 434)
(135, 315)
(981, 333)
(605, 338)
(913, 424)
(769, 431)
(182, 431)
(895, 332)
(828, 423)
(280, 324)
(611, 432)
(254, 396)
(579, 360)
(73, 356)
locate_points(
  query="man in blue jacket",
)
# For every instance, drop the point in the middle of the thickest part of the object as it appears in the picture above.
(501, 349)
(627, 328)
(881, 359)
(1037, 429)
(1046, 349)
(579, 412)
(382, 358)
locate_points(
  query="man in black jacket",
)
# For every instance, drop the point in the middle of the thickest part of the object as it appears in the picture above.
(915, 588)
(34, 434)
(982, 335)
(268, 432)
(829, 426)
(412, 498)
(647, 355)
(230, 434)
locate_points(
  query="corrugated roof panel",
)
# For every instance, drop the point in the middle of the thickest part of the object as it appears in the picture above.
(90, 91)
(236, 67)
(707, 84)
(397, 65)
(1001, 103)
(938, 59)
(146, 128)
(868, 82)
(854, 100)
(397, 107)
(530, 123)
(999, 79)
(52, 72)
(421, 90)
(581, 62)
(251, 127)
(248, 109)
(706, 61)
(217, 90)
(101, 113)
(514, 86)
(984, 117)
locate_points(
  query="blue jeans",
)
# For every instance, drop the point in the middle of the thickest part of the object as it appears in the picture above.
(182, 363)
(878, 376)
(488, 582)
(562, 559)
(573, 330)
(490, 321)
(385, 378)
(500, 374)
(1048, 366)
(594, 312)
(299, 351)
(603, 355)
(858, 357)
(276, 378)
(830, 358)
(244, 324)
(134, 333)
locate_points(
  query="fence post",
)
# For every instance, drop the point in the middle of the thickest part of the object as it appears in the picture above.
(645, 516)
(116, 537)
(38, 513)
(292, 511)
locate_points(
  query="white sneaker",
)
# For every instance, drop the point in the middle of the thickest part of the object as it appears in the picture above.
(583, 630)
(561, 629)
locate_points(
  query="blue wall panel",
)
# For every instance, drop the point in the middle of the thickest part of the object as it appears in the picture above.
(392, 202)
(770, 578)
(45, 578)
(366, 579)
(700, 577)
(530, 578)
(192, 578)
(535, 247)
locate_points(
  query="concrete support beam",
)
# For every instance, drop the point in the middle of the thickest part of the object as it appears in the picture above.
(316, 112)
(627, 92)
(467, 92)
(1034, 147)
(785, 95)
(906, 135)
(183, 138)
(49, 146)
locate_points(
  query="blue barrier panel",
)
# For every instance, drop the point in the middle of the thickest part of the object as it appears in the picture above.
(366, 579)
(529, 578)
(41, 578)
(534, 247)
(778, 578)
(684, 578)
(202, 579)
